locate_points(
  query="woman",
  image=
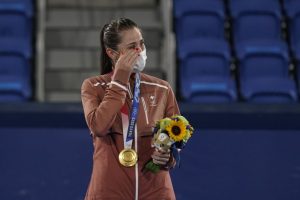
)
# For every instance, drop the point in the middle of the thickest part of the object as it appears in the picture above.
(121, 106)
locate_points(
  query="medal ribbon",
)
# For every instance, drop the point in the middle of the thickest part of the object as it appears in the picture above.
(130, 126)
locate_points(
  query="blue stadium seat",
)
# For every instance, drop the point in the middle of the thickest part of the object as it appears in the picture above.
(209, 90)
(201, 18)
(292, 9)
(16, 18)
(269, 90)
(15, 46)
(264, 72)
(263, 58)
(14, 89)
(255, 19)
(205, 71)
(14, 70)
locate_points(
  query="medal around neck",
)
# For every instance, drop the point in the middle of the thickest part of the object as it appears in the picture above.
(128, 157)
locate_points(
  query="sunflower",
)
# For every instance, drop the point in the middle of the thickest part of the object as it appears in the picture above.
(177, 130)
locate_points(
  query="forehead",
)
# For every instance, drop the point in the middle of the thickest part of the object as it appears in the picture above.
(131, 36)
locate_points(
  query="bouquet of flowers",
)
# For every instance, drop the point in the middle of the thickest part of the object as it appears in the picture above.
(170, 135)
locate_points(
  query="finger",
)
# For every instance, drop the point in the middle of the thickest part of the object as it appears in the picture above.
(161, 157)
(125, 51)
(133, 59)
(164, 155)
(157, 158)
(128, 55)
(163, 150)
(159, 162)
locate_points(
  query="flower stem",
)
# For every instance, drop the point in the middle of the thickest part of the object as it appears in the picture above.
(152, 167)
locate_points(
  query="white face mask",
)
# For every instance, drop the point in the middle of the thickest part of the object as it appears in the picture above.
(141, 62)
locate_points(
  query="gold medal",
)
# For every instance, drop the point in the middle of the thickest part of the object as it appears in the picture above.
(128, 157)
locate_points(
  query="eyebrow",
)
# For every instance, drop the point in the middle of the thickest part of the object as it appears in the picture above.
(134, 42)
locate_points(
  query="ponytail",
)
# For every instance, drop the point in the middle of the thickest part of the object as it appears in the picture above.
(105, 62)
(110, 38)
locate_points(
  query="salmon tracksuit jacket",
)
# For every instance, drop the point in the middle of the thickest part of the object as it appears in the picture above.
(103, 97)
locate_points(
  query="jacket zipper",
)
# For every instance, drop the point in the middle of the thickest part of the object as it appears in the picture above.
(145, 110)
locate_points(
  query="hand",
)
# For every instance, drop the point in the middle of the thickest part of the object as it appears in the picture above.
(127, 60)
(160, 158)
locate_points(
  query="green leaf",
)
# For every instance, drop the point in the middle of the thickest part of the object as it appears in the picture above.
(152, 167)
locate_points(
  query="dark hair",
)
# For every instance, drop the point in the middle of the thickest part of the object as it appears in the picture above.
(110, 38)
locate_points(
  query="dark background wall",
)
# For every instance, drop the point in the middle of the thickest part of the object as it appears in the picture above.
(237, 152)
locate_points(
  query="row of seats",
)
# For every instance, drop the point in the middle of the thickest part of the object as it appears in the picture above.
(263, 56)
(253, 19)
(205, 72)
(16, 30)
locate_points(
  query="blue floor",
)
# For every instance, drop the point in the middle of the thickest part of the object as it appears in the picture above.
(49, 163)
(44, 164)
(240, 165)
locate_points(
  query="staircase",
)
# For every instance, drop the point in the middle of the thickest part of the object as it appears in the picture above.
(72, 43)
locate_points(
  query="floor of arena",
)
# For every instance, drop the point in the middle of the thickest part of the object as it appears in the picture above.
(51, 161)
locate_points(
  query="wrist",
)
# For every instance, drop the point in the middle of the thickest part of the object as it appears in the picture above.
(121, 76)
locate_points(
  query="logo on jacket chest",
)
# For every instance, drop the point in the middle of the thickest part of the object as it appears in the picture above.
(152, 100)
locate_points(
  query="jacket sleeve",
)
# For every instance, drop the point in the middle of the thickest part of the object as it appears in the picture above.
(171, 104)
(100, 113)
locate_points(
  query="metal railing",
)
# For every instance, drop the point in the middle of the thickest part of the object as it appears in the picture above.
(168, 60)
(40, 51)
